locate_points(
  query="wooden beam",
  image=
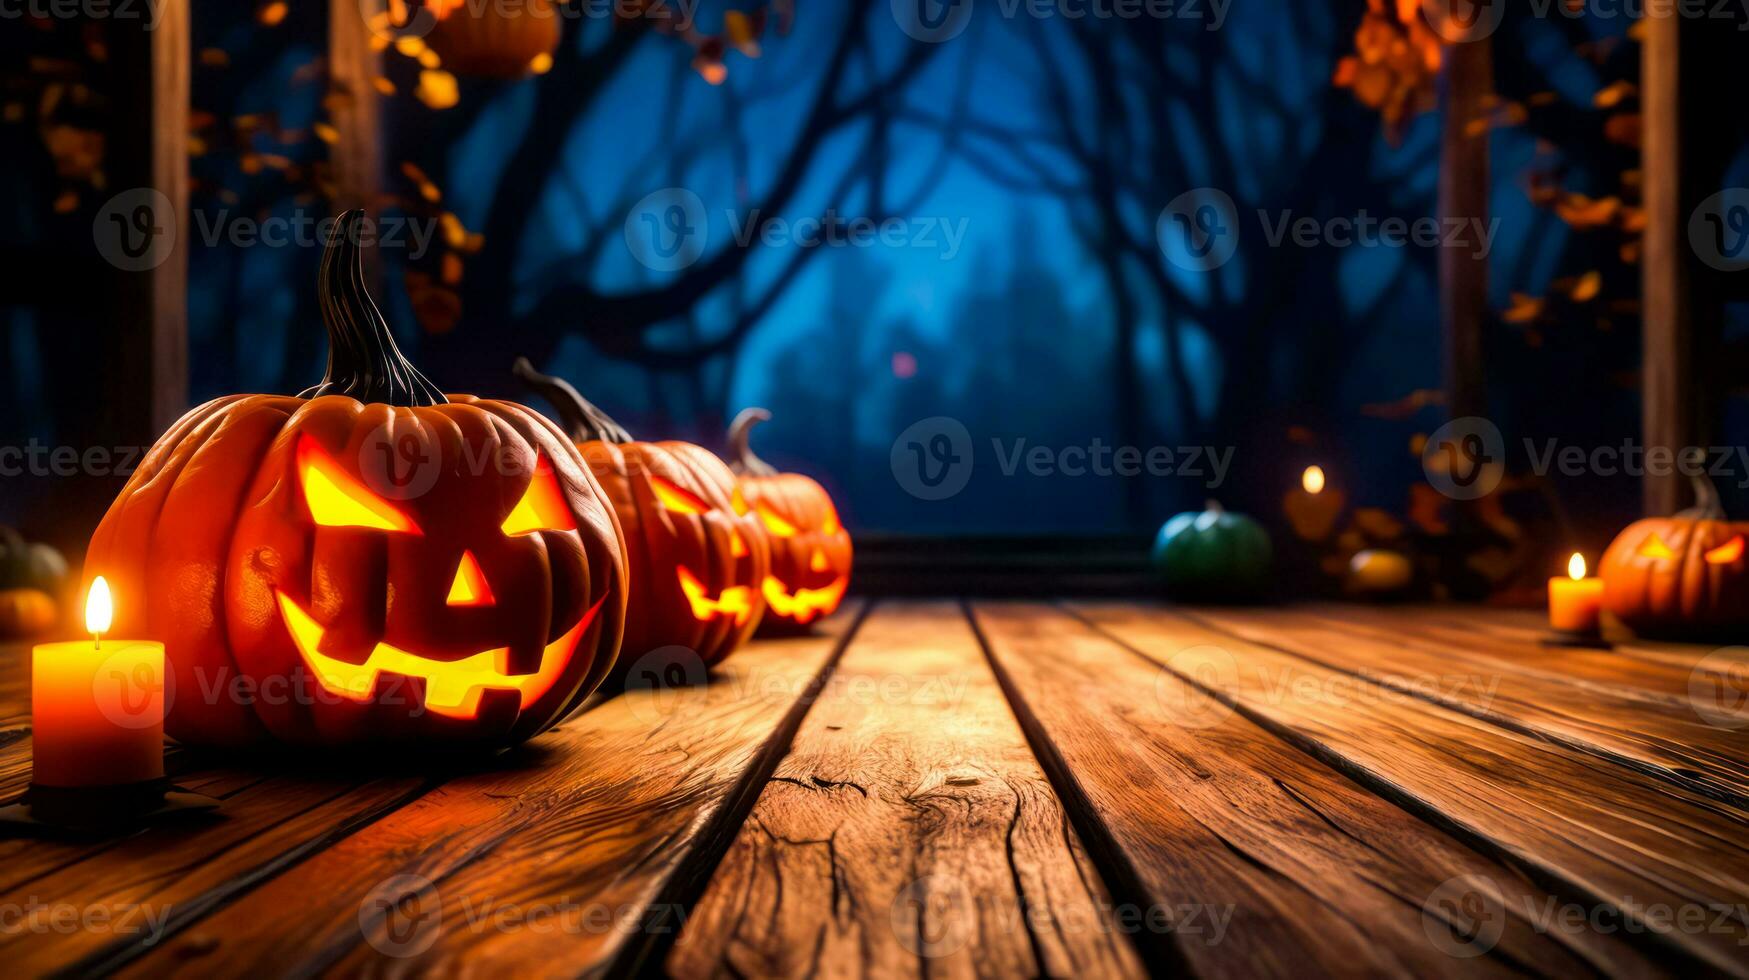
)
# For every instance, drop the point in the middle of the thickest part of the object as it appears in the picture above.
(1463, 194)
(354, 109)
(146, 367)
(1667, 411)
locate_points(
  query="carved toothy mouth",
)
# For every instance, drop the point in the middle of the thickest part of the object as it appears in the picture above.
(736, 600)
(453, 688)
(803, 605)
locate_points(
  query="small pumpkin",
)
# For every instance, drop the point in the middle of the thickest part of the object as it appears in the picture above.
(493, 40)
(370, 561)
(1681, 576)
(810, 549)
(26, 612)
(30, 565)
(1214, 554)
(696, 564)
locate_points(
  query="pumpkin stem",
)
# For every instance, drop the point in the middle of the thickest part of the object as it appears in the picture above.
(363, 361)
(583, 421)
(1707, 506)
(741, 457)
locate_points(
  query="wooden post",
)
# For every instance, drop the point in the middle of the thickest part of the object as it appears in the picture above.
(1463, 194)
(354, 108)
(1667, 413)
(1685, 154)
(146, 360)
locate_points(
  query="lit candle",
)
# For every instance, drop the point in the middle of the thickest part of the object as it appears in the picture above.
(1314, 507)
(1574, 601)
(97, 706)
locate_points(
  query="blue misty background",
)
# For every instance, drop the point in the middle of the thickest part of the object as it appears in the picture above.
(1058, 321)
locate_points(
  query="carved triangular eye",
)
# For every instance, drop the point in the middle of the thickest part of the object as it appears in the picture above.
(774, 522)
(336, 498)
(1654, 547)
(1726, 553)
(542, 507)
(677, 498)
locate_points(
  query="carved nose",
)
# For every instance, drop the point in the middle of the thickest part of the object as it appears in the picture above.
(469, 587)
(817, 561)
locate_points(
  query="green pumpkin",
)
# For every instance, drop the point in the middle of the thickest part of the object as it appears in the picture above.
(1214, 555)
(30, 566)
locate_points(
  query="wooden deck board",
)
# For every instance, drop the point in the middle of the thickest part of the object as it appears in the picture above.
(1635, 712)
(1218, 818)
(558, 867)
(909, 830)
(1083, 788)
(1596, 833)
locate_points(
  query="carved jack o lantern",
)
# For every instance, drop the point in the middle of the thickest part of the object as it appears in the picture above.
(370, 561)
(810, 549)
(1681, 576)
(696, 564)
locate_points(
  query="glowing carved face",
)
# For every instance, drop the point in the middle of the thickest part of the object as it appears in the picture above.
(735, 601)
(453, 687)
(810, 550)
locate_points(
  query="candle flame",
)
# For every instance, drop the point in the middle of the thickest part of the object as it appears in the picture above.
(99, 608)
(1313, 479)
(1576, 567)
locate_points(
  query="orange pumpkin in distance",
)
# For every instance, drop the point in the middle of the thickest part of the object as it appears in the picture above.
(1682, 576)
(810, 549)
(368, 562)
(696, 564)
(498, 39)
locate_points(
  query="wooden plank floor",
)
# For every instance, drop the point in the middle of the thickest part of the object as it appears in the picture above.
(953, 788)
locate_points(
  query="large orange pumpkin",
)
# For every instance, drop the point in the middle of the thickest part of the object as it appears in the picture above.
(367, 562)
(696, 565)
(495, 39)
(1681, 576)
(810, 549)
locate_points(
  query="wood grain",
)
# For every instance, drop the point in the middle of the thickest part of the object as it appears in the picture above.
(149, 884)
(1217, 819)
(1614, 842)
(568, 863)
(909, 832)
(1635, 713)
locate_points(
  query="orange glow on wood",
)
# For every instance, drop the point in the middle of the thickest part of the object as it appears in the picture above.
(542, 507)
(337, 499)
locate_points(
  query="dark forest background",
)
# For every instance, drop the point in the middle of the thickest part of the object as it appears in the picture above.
(1057, 143)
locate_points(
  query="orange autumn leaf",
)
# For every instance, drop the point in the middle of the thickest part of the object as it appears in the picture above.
(1613, 94)
(67, 202)
(1584, 212)
(452, 268)
(272, 14)
(1623, 129)
(438, 89)
(1524, 309)
(1587, 288)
